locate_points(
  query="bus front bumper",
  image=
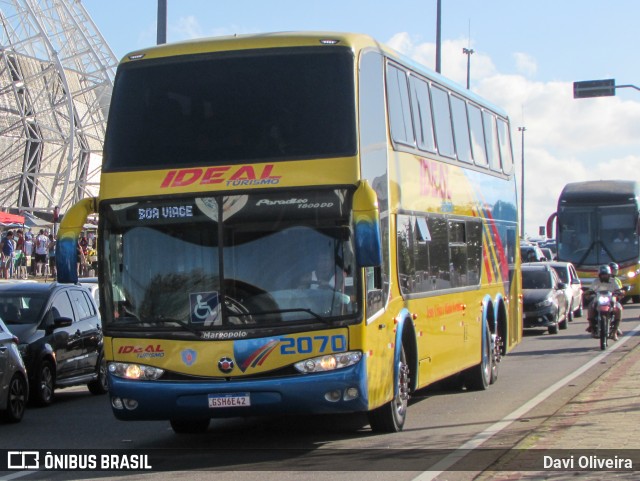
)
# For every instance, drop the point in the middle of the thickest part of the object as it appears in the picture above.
(339, 391)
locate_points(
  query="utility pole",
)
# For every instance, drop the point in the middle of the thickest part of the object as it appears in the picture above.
(522, 131)
(468, 52)
(162, 22)
(438, 35)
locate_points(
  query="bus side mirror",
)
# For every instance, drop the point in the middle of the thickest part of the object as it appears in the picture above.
(366, 218)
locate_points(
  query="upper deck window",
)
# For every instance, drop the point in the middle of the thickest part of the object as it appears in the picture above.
(442, 115)
(422, 114)
(232, 107)
(399, 108)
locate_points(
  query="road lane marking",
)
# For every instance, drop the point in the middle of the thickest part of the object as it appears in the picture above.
(460, 452)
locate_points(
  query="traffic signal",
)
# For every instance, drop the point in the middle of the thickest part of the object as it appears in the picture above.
(594, 88)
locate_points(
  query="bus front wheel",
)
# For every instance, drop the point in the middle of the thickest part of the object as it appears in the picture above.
(390, 418)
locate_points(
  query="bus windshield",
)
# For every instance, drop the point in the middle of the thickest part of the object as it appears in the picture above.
(598, 235)
(255, 105)
(229, 262)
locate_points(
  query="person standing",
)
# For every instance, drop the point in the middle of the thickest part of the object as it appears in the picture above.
(28, 256)
(42, 242)
(52, 255)
(7, 248)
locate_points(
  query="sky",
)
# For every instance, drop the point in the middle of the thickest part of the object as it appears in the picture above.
(527, 54)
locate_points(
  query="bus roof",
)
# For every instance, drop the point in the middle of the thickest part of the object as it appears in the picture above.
(601, 191)
(356, 41)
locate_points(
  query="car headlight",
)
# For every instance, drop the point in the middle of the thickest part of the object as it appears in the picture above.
(134, 371)
(545, 303)
(329, 362)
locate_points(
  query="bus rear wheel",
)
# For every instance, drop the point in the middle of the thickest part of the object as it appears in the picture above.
(478, 378)
(391, 417)
(189, 426)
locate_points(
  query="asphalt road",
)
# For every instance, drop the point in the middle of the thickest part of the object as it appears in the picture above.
(533, 384)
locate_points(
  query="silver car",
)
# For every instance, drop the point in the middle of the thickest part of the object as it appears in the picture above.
(567, 274)
(14, 388)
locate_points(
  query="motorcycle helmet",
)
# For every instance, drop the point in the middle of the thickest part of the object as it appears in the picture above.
(614, 268)
(604, 271)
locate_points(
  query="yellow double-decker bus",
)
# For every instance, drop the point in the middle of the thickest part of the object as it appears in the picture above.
(298, 223)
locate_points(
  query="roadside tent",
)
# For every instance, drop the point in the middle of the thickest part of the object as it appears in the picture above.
(32, 221)
(7, 219)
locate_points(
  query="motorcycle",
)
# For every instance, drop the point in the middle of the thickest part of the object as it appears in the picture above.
(604, 326)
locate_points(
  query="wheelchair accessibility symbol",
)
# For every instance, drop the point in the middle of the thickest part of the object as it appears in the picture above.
(205, 308)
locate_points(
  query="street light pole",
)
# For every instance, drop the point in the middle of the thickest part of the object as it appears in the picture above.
(522, 131)
(468, 52)
(438, 35)
(162, 22)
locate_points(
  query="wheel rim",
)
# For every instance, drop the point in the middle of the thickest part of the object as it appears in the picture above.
(402, 399)
(17, 398)
(46, 383)
(486, 359)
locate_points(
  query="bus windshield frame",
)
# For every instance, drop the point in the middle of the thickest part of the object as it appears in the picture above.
(172, 266)
(595, 235)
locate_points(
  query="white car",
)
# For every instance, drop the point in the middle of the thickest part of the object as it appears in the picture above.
(91, 283)
(567, 274)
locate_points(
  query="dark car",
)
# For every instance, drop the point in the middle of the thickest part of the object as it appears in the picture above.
(545, 302)
(60, 336)
(14, 389)
(531, 253)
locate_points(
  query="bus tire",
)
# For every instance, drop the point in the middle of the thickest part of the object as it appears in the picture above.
(391, 417)
(478, 377)
(189, 426)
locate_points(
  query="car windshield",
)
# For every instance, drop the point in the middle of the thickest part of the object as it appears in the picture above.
(21, 308)
(562, 274)
(268, 262)
(536, 279)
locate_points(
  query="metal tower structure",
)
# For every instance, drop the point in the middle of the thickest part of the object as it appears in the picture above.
(56, 78)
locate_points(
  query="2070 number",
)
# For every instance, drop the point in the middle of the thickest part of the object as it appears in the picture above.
(306, 344)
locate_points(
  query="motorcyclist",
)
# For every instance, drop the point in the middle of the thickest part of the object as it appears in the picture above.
(614, 276)
(604, 283)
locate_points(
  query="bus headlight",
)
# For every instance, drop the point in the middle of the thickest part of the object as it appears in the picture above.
(329, 362)
(138, 372)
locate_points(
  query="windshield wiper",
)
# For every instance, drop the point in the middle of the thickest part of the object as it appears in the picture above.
(231, 313)
(184, 325)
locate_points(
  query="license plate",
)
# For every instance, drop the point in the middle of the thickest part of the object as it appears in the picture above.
(230, 400)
